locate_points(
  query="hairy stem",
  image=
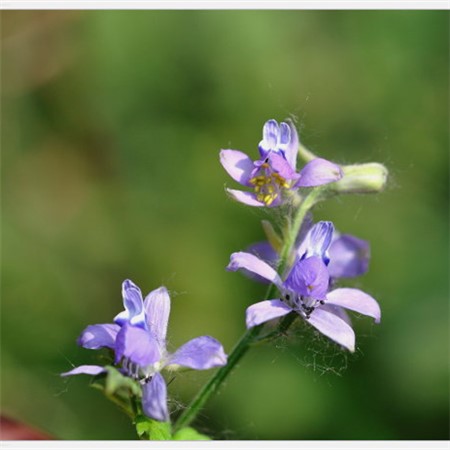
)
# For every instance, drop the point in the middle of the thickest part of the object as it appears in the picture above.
(251, 336)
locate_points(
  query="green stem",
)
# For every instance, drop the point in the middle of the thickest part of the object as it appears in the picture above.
(250, 336)
(307, 203)
(122, 405)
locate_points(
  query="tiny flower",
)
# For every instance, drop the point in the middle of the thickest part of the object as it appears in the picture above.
(306, 290)
(275, 172)
(138, 339)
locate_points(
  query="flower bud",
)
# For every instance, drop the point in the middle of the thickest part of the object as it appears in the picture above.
(366, 178)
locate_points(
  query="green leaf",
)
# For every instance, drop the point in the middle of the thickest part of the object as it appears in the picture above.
(189, 434)
(115, 381)
(152, 429)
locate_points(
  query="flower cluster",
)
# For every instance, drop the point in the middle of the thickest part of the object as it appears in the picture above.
(138, 339)
(303, 268)
(321, 256)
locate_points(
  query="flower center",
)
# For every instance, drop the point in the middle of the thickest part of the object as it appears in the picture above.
(268, 184)
(302, 304)
(142, 374)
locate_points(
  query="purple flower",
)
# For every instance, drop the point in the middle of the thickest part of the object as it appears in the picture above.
(306, 289)
(346, 256)
(138, 339)
(275, 171)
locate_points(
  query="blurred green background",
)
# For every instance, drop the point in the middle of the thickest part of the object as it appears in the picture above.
(111, 127)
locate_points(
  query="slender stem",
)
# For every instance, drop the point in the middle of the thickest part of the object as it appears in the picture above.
(122, 405)
(307, 203)
(250, 336)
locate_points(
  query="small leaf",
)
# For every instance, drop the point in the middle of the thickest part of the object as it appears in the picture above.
(189, 434)
(152, 429)
(115, 381)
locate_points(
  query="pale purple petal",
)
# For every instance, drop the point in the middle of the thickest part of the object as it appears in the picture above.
(291, 149)
(86, 370)
(319, 171)
(98, 336)
(242, 260)
(248, 198)
(201, 353)
(349, 257)
(309, 277)
(138, 345)
(132, 301)
(307, 224)
(281, 166)
(157, 310)
(154, 399)
(317, 241)
(264, 311)
(270, 137)
(263, 250)
(337, 311)
(284, 136)
(333, 327)
(355, 300)
(238, 165)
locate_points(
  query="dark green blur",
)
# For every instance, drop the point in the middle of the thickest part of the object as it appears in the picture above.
(111, 127)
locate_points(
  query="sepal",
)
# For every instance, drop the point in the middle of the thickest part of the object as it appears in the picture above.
(152, 430)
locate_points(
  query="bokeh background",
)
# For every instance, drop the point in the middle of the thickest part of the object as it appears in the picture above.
(111, 126)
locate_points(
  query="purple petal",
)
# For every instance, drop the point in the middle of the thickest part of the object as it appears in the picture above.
(284, 136)
(270, 137)
(238, 165)
(319, 171)
(200, 353)
(333, 327)
(317, 241)
(349, 257)
(264, 311)
(242, 260)
(263, 250)
(307, 224)
(355, 300)
(337, 311)
(154, 399)
(98, 336)
(157, 310)
(86, 370)
(309, 277)
(291, 149)
(248, 198)
(132, 301)
(138, 345)
(280, 165)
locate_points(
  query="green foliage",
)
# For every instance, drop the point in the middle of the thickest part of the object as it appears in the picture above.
(152, 429)
(189, 434)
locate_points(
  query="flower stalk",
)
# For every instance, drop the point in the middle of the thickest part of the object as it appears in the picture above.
(252, 335)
